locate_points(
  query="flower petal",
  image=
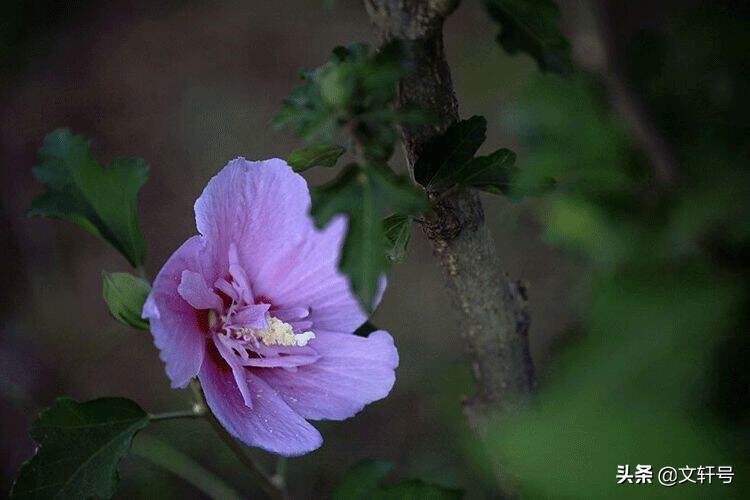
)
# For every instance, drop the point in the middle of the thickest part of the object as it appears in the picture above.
(351, 372)
(308, 276)
(271, 424)
(194, 290)
(174, 322)
(259, 206)
(234, 362)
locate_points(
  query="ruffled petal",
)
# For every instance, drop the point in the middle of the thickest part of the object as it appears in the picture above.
(271, 424)
(259, 206)
(352, 371)
(235, 364)
(194, 290)
(308, 276)
(174, 322)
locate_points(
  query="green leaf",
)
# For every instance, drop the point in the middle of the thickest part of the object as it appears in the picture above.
(398, 233)
(363, 194)
(531, 26)
(353, 95)
(323, 155)
(444, 154)
(125, 295)
(80, 447)
(102, 200)
(416, 489)
(361, 481)
(491, 173)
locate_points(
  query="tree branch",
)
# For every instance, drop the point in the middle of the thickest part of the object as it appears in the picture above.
(495, 320)
(627, 103)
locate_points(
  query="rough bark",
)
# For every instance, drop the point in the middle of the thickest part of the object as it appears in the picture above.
(494, 319)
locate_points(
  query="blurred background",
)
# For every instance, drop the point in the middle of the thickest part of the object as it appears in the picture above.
(189, 85)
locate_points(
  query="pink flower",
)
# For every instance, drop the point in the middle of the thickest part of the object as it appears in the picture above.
(257, 309)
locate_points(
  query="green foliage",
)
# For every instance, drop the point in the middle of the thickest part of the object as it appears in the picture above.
(653, 375)
(397, 232)
(415, 489)
(446, 153)
(362, 481)
(364, 194)
(626, 393)
(448, 159)
(531, 26)
(102, 200)
(491, 173)
(316, 155)
(125, 295)
(351, 97)
(80, 447)
(352, 93)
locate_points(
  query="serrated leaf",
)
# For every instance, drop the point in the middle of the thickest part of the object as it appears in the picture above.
(531, 26)
(363, 194)
(125, 295)
(416, 489)
(102, 200)
(316, 155)
(491, 173)
(444, 154)
(351, 94)
(79, 448)
(360, 482)
(397, 232)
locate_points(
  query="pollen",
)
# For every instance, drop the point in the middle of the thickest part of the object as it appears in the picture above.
(280, 333)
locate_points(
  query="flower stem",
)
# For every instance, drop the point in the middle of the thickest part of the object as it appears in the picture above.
(272, 487)
(171, 459)
(192, 413)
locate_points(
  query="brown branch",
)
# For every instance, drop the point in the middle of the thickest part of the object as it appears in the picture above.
(627, 103)
(494, 318)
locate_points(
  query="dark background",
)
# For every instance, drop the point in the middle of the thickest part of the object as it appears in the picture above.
(188, 85)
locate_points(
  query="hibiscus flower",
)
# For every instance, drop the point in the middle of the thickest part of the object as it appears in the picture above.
(256, 308)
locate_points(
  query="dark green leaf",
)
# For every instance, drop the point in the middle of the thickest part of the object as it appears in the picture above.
(416, 490)
(362, 258)
(491, 173)
(531, 26)
(397, 232)
(125, 295)
(316, 155)
(352, 94)
(80, 447)
(443, 155)
(361, 481)
(363, 194)
(102, 200)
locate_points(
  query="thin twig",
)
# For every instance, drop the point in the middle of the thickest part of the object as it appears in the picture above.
(195, 412)
(629, 106)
